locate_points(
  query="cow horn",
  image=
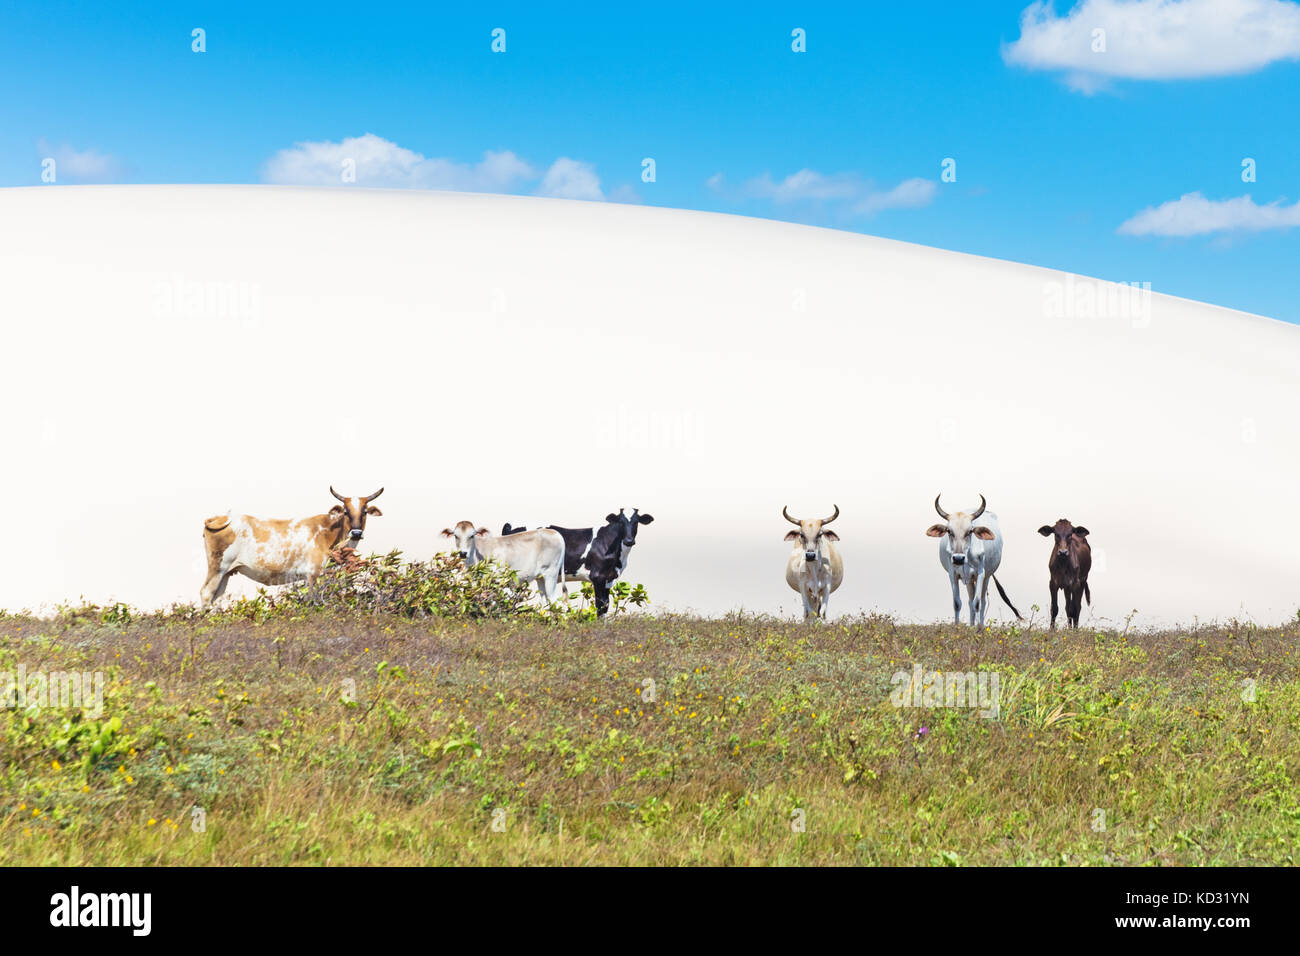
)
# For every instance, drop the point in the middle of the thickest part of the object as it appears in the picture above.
(375, 495)
(785, 511)
(942, 514)
(826, 521)
(337, 495)
(980, 510)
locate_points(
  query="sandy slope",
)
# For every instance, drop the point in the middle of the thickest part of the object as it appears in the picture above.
(176, 351)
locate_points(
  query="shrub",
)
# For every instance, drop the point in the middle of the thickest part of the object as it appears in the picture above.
(441, 587)
(384, 584)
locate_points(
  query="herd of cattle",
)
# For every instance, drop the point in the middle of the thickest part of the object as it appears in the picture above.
(281, 551)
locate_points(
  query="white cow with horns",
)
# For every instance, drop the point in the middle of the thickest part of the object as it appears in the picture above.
(814, 568)
(970, 550)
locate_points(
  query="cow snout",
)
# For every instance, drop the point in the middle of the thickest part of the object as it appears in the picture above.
(464, 554)
(959, 559)
(810, 555)
(1063, 553)
(356, 534)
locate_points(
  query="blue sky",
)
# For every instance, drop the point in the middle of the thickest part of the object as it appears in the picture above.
(1057, 145)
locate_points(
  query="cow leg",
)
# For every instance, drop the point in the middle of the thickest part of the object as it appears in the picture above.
(1055, 606)
(543, 588)
(602, 597)
(825, 601)
(1073, 606)
(555, 585)
(809, 612)
(214, 587)
(972, 600)
(956, 598)
(984, 597)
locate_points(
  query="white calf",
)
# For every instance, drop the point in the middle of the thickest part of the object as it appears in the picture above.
(533, 555)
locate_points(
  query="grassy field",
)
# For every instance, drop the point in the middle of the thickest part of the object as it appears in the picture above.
(326, 737)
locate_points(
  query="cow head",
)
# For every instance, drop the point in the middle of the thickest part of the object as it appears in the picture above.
(959, 529)
(465, 532)
(1062, 532)
(811, 533)
(627, 524)
(352, 514)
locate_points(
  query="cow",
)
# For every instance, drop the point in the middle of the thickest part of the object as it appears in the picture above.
(814, 568)
(533, 555)
(598, 555)
(280, 550)
(970, 550)
(1068, 567)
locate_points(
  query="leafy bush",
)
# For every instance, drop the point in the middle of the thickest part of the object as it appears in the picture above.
(384, 584)
(441, 587)
(621, 596)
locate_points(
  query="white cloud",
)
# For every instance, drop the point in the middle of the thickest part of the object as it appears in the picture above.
(86, 166)
(847, 191)
(626, 194)
(571, 179)
(1194, 215)
(805, 184)
(1155, 39)
(909, 194)
(382, 163)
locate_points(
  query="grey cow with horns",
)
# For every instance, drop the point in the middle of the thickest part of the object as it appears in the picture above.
(970, 550)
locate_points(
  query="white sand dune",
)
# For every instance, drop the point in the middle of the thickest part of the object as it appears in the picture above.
(176, 351)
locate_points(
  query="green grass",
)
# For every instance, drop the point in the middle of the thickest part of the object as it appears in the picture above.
(541, 727)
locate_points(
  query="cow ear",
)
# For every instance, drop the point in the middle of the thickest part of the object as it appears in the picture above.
(936, 530)
(1081, 532)
(372, 510)
(448, 533)
(646, 519)
(831, 534)
(791, 535)
(1046, 531)
(481, 531)
(611, 517)
(984, 534)
(336, 510)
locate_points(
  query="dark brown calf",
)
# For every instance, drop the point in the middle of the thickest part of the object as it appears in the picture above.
(1069, 565)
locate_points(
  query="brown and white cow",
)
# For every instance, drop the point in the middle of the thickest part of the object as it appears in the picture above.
(280, 550)
(815, 568)
(1068, 566)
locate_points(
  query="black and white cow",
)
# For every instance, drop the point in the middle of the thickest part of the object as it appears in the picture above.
(598, 555)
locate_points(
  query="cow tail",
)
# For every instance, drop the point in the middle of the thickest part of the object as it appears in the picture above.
(1007, 599)
(1087, 593)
